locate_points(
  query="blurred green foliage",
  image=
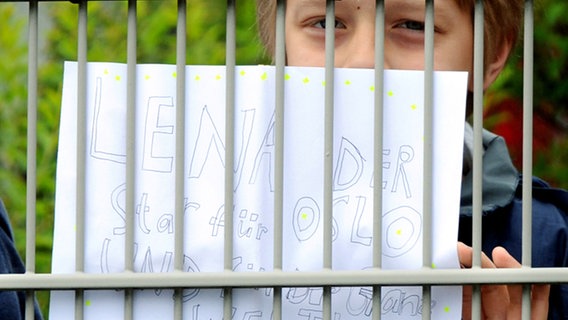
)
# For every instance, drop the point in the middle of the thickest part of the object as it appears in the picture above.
(551, 58)
(156, 35)
(550, 96)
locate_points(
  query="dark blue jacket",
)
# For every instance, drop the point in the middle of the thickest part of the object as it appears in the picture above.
(502, 217)
(12, 303)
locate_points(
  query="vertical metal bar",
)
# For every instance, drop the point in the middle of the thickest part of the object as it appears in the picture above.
(81, 150)
(230, 149)
(181, 40)
(527, 149)
(328, 149)
(378, 149)
(428, 151)
(280, 60)
(130, 153)
(31, 171)
(478, 77)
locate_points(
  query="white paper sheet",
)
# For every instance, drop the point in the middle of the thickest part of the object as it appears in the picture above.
(254, 186)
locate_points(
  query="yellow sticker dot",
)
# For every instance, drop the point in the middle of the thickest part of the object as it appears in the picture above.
(398, 232)
(242, 73)
(433, 265)
(304, 216)
(287, 77)
(323, 83)
(390, 93)
(117, 78)
(174, 74)
(372, 88)
(218, 77)
(197, 78)
(106, 71)
(413, 107)
(446, 309)
(306, 80)
(88, 303)
(147, 77)
(347, 82)
(264, 76)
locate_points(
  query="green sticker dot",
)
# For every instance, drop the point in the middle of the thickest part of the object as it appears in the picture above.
(446, 309)
(433, 265)
(88, 303)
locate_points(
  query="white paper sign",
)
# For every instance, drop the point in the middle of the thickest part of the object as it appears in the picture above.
(254, 186)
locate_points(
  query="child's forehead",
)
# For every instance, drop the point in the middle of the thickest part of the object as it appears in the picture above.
(440, 5)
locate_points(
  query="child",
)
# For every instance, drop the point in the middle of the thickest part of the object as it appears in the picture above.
(403, 49)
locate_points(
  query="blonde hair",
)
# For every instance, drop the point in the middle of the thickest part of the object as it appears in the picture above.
(266, 19)
(502, 23)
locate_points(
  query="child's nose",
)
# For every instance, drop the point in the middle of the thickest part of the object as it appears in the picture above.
(364, 57)
(360, 52)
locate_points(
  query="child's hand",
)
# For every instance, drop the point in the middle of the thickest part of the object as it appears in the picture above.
(501, 301)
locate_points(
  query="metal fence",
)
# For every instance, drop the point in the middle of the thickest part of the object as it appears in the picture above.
(277, 279)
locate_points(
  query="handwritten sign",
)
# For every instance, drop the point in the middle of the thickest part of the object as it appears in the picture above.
(254, 186)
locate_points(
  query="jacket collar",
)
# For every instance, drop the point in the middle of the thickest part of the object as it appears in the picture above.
(500, 177)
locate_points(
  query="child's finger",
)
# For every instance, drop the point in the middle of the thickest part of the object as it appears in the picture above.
(503, 259)
(494, 298)
(539, 294)
(466, 302)
(539, 301)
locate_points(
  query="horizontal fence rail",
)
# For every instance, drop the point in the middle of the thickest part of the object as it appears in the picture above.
(130, 280)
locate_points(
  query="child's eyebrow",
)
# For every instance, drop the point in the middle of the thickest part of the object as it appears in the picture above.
(316, 1)
(440, 11)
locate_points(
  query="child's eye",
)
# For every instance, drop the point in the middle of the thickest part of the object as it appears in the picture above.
(320, 24)
(412, 25)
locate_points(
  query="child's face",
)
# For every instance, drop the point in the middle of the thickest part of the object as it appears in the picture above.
(354, 34)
